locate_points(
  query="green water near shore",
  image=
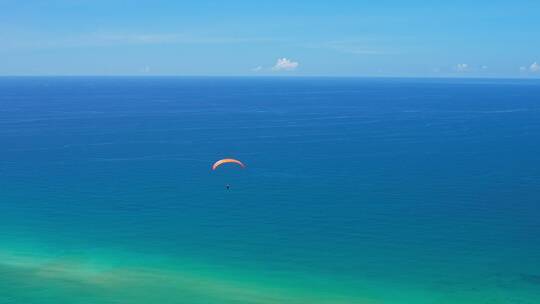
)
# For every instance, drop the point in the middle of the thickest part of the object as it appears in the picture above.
(100, 277)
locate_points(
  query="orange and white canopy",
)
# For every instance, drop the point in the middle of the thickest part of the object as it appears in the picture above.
(225, 161)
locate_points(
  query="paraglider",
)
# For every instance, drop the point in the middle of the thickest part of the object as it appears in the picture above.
(227, 161)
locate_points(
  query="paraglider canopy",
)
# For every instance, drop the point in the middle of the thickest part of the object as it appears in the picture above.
(225, 161)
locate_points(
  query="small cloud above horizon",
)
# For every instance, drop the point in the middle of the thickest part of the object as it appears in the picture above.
(535, 67)
(462, 67)
(284, 64)
(467, 68)
(146, 69)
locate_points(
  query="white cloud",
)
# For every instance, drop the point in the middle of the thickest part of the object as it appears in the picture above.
(257, 69)
(284, 64)
(353, 48)
(146, 69)
(462, 67)
(136, 38)
(163, 38)
(523, 69)
(535, 67)
(113, 38)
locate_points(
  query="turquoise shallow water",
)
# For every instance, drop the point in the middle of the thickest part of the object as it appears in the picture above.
(356, 191)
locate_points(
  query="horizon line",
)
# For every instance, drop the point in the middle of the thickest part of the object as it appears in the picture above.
(268, 76)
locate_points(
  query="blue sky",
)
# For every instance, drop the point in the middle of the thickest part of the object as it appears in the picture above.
(333, 38)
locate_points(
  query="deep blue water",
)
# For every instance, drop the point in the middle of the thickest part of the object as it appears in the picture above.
(362, 190)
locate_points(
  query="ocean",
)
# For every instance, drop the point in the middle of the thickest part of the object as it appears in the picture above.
(356, 190)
